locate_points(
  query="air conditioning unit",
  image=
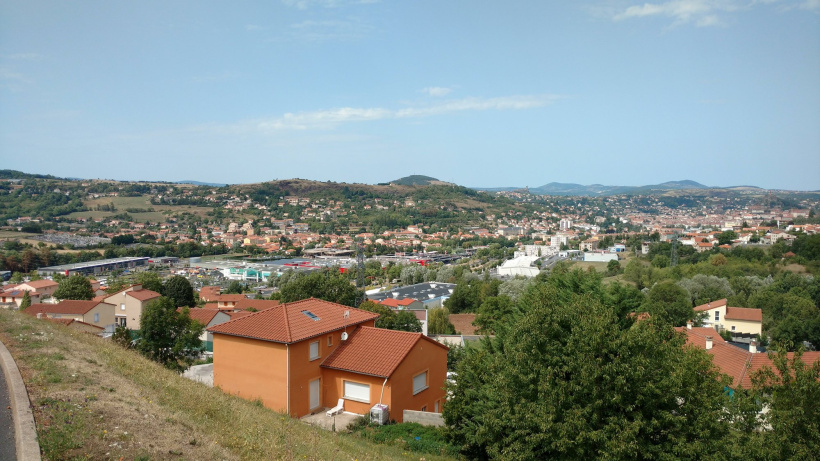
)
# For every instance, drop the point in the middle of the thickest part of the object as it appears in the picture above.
(379, 414)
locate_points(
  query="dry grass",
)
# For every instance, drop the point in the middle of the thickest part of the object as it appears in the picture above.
(95, 400)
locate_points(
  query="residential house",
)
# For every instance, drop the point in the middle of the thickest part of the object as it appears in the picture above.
(97, 313)
(130, 302)
(208, 318)
(45, 288)
(79, 326)
(304, 356)
(738, 320)
(13, 297)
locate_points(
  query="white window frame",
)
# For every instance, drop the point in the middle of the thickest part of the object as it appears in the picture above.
(420, 387)
(314, 355)
(717, 316)
(355, 391)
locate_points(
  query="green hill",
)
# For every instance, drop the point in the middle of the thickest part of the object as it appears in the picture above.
(94, 400)
(415, 180)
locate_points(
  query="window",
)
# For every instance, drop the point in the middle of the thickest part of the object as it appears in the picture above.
(424, 408)
(357, 391)
(717, 316)
(329, 340)
(122, 307)
(314, 350)
(419, 383)
(96, 317)
(733, 328)
(437, 407)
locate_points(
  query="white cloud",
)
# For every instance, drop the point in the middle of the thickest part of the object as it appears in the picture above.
(701, 13)
(437, 91)
(329, 118)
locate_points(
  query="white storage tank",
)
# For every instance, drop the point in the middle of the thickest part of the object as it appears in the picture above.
(379, 414)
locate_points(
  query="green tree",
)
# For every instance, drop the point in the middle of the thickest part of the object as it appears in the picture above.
(74, 287)
(669, 302)
(567, 381)
(726, 238)
(16, 277)
(438, 322)
(179, 289)
(406, 321)
(791, 392)
(494, 313)
(322, 285)
(26, 302)
(613, 267)
(150, 281)
(122, 336)
(234, 288)
(167, 335)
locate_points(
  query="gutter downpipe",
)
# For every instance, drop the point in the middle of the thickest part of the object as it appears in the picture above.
(287, 376)
(382, 396)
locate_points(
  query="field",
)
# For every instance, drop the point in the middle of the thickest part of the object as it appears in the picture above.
(94, 400)
(121, 204)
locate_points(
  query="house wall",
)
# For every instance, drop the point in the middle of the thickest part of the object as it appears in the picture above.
(106, 312)
(303, 371)
(398, 392)
(333, 387)
(743, 326)
(709, 321)
(424, 356)
(252, 369)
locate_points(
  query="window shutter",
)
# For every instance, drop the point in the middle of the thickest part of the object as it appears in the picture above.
(419, 383)
(357, 391)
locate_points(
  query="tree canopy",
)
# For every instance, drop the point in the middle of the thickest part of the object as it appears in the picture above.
(74, 287)
(179, 289)
(569, 379)
(168, 336)
(322, 285)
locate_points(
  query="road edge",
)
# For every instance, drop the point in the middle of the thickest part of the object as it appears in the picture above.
(25, 432)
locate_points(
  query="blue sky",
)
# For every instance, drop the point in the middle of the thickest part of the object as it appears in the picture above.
(480, 93)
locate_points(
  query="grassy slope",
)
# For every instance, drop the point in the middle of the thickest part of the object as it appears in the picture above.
(94, 400)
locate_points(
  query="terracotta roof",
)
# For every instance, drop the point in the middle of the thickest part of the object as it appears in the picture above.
(744, 313)
(237, 315)
(288, 323)
(143, 295)
(463, 323)
(71, 307)
(697, 335)
(210, 292)
(210, 306)
(374, 351)
(41, 284)
(258, 304)
(230, 298)
(203, 316)
(129, 287)
(390, 302)
(68, 322)
(711, 305)
(763, 360)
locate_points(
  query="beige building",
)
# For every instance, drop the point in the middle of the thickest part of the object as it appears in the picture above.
(720, 316)
(129, 303)
(46, 288)
(97, 313)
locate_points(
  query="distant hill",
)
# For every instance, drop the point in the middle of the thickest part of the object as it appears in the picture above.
(14, 174)
(597, 190)
(415, 180)
(200, 183)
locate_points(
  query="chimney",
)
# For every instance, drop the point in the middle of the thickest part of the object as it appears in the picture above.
(753, 346)
(708, 342)
(688, 325)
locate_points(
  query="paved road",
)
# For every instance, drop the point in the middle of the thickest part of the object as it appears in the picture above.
(7, 446)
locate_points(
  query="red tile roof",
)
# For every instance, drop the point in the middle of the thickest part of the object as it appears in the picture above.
(37, 284)
(209, 293)
(286, 323)
(744, 313)
(70, 307)
(237, 315)
(390, 302)
(143, 295)
(229, 298)
(374, 351)
(759, 361)
(203, 316)
(711, 305)
(68, 322)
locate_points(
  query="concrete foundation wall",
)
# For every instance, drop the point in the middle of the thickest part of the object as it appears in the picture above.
(425, 418)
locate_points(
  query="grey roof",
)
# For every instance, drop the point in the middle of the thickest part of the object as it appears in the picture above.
(420, 291)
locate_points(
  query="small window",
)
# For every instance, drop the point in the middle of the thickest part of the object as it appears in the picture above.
(96, 318)
(122, 307)
(437, 407)
(717, 316)
(311, 316)
(357, 391)
(424, 408)
(314, 350)
(419, 382)
(733, 328)
(329, 340)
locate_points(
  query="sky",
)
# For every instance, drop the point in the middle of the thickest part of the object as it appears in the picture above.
(477, 92)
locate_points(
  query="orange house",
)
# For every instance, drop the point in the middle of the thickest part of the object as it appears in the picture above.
(292, 357)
